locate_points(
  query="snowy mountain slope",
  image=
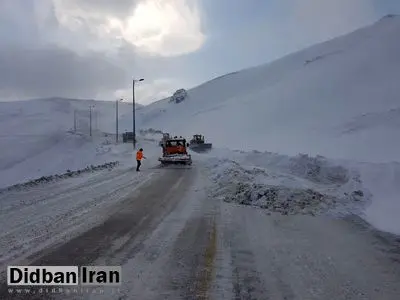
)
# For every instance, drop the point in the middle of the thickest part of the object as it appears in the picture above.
(332, 99)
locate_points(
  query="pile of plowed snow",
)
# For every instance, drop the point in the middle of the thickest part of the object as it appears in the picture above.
(289, 185)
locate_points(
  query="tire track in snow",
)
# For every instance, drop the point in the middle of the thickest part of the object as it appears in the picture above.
(60, 217)
(162, 202)
(247, 281)
(162, 254)
(130, 216)
(192, 261)
(120, 236)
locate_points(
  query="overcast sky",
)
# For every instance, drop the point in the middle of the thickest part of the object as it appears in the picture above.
(93, 48)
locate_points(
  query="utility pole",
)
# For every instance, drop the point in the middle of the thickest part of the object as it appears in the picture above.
(133, 112)
(90, 119)
(116, 119)
(75, 120)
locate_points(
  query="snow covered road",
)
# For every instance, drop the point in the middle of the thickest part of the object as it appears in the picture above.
(262, 256)
(174, 241)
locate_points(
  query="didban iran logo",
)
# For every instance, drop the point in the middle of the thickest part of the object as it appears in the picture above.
(64, 275)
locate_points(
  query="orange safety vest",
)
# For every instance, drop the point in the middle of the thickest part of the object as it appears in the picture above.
(139, 155)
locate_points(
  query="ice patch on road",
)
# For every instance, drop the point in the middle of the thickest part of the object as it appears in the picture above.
(289, 185)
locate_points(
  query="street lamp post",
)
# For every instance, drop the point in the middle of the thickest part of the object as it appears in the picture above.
(90, 119)
(133, 111)
(75, 120)
(116, 118)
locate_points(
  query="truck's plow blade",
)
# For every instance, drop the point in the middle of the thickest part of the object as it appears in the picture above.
(201, 147)
(176, 160)
(173, 166)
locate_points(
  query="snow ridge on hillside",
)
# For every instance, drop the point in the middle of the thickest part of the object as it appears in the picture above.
(291, 106)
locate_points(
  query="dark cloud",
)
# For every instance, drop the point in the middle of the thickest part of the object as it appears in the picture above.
(79, 63)
(33, 65)
(54, 71)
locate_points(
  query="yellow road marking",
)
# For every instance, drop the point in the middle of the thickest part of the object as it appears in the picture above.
(209, 257)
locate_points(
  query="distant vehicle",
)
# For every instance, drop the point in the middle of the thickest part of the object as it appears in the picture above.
(198, 144)
(165, 137)
(174, 151)
(127, 137)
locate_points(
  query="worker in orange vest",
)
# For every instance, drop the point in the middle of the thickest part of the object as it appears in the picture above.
(139, 157)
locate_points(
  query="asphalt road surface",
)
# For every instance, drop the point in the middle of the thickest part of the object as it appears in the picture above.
(174, 242)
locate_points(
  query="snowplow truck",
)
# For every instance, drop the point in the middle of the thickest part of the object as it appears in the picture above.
(175, 152)
(197, 144)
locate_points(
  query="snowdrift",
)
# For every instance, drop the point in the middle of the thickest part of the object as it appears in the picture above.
(287, 185)
(308, 185)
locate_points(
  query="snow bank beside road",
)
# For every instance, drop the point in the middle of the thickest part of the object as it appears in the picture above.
(68, 174)
(72, 152)
(383, 182)
(297, 185)
(64, 151)
(265, 179)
